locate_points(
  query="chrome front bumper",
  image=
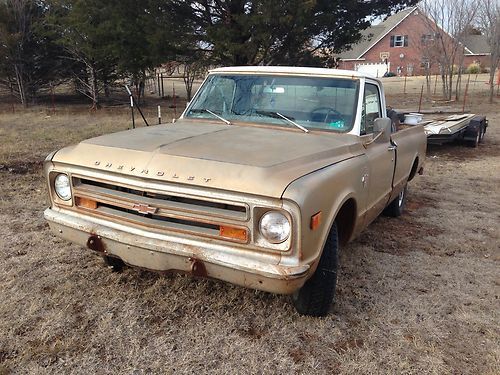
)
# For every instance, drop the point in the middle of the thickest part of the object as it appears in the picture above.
(161, 252)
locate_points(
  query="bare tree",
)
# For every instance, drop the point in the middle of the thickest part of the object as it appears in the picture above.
(452, 19)
(15, 37)
(489, 22)
(424, 40)
(195, 66)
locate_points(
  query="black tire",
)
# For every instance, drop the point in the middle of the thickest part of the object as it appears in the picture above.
(397, 206)
(318, 293)
(481, 134)
(476, 140)
(115, 264)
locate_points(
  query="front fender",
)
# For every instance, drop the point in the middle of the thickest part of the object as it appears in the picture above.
(325, 191)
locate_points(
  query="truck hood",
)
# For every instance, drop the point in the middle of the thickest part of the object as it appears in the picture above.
(249, 159)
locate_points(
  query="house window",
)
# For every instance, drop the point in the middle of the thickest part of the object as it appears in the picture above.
(399, 40)
(427, 39)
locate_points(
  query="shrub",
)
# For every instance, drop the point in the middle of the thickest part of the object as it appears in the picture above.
(473, 69)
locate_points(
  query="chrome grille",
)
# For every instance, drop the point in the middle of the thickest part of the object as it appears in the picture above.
(160, 211)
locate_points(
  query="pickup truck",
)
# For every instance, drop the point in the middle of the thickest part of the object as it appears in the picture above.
(266, 174)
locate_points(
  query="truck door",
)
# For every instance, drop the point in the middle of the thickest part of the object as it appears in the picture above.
(380, 155)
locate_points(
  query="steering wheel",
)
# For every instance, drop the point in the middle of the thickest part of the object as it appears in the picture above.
(329, 111)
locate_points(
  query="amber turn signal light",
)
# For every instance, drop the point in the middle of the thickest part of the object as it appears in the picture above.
(234, 233)
(86, 203)
(315, 220)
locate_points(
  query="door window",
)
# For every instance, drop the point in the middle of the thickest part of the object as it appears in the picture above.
(371, 108)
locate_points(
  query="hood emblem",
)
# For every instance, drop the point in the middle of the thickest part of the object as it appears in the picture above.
(144, 208)
(122, 167)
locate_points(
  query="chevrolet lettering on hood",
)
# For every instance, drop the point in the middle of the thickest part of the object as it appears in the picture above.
(268, 171)
(121, 168)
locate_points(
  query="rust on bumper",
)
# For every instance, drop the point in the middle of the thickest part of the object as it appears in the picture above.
(163, 253)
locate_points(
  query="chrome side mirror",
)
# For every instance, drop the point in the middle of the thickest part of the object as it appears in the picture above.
(382, 125)
(381, 130)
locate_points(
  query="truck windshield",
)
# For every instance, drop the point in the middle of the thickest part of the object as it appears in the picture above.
(311, 102)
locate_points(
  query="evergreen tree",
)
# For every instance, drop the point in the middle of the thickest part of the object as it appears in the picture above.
(29, 58)
(240, 32)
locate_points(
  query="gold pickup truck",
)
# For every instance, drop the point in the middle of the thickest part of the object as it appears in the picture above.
(266, 174)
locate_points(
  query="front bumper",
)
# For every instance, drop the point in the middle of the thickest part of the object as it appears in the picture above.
(160, 252)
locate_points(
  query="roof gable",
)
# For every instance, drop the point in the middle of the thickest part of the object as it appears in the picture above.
(372, 35)
(477, 45)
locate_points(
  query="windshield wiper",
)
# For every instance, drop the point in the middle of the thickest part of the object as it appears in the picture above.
(212, 113)
(279, 115)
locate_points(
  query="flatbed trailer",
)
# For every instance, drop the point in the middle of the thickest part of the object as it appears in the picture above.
(469, 128)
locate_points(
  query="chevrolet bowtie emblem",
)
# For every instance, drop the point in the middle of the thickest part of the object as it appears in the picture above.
(144, 208)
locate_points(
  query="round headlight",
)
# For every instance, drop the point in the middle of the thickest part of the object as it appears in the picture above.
(274, 226)
(62, 187)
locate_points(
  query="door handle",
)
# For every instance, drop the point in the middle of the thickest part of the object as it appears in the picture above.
(391, 148)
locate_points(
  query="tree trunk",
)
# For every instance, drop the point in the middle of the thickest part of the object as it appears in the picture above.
(458, 86)
(428, 81)
(444, 81)
(21, 85)
(492, 82)
(94, 88)
(450, 83)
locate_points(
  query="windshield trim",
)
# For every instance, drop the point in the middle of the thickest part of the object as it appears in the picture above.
(269, 124)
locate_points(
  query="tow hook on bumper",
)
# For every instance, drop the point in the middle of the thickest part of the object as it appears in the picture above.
(198, 268)
(95, 243)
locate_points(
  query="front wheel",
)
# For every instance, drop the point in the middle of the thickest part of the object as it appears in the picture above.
(397, 206)
(317, 294)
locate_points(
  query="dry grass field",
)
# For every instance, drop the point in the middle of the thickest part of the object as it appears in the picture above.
(417, 295)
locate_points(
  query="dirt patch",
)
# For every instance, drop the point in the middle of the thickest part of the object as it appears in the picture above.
(22, 167)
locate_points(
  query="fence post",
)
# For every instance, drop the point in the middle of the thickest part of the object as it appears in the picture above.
(158, 80)
(175, 100)
(131, 105)
(420, 101)
(162, 90)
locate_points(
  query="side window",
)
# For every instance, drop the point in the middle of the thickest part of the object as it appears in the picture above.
(371, 108)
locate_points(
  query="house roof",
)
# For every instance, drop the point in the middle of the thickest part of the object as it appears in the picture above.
(474, 44)
(477, 45)
(373, 34)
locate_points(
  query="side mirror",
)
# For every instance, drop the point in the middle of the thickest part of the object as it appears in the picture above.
(382, 125)
(381, 130)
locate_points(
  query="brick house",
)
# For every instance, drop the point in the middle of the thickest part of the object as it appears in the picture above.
(405, 44)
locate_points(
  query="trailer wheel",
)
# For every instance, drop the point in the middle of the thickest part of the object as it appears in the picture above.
(482, 131)
(317, 294)
(475, 142)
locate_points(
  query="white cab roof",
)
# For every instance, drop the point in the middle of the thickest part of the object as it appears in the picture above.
(291, 70)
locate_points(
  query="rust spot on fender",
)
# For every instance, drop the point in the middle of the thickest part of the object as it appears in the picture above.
(95, 243)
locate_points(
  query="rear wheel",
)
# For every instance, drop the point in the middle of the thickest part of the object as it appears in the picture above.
(397, 206)
(317, 294)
